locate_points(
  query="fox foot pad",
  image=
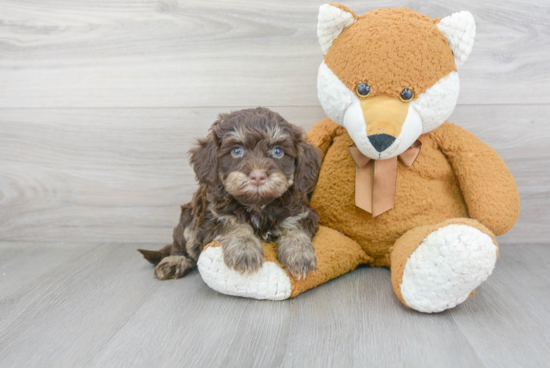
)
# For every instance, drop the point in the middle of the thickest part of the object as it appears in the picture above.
(446, 267)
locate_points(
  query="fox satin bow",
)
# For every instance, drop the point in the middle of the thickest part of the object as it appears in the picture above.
(375, 179)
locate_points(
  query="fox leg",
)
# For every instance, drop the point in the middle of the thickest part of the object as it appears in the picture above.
(437, 267)
(336, 255)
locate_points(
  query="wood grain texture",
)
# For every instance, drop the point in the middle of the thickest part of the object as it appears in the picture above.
(101, 174)
(121, 174)
(75, 164)
(169, 53)
(517, 302)
(100, 102)
(98, 305)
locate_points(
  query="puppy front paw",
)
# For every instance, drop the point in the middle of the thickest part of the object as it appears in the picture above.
(297, 256)
(244, 254)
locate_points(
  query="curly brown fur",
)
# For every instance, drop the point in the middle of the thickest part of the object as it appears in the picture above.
(254, 171)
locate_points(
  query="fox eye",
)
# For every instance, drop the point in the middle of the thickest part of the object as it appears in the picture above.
(406, 95)
(277, 152)
(363, 89)
(237, 152)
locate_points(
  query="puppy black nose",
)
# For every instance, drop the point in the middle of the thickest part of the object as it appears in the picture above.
(257, 177)
(381, 141)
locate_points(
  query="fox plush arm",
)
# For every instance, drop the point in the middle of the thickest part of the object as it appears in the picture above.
(322, 133)
(488, 187)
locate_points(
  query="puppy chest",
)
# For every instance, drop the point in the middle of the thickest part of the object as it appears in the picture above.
(262, 227)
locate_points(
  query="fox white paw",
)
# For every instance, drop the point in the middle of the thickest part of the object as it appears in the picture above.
(269, 282)
(447, 266)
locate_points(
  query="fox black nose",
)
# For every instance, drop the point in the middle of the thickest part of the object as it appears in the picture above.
(381, 141)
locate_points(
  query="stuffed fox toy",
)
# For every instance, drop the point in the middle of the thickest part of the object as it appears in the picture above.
(399, 186)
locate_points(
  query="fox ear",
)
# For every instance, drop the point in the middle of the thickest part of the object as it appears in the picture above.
(460, 30)
(333, 18)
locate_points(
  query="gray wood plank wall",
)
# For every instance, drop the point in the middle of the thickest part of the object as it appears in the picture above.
(100, 101)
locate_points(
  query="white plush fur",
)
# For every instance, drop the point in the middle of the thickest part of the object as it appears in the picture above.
(438, 102)
(354, 122)
(343, 107)
(334, 96)
(270, 282)
(429, 111)
(460, 30)
(450, 263)
(331, 23)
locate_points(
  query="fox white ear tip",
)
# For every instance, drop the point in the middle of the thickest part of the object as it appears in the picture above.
(466, 14)
(331, 22)
(460, 30)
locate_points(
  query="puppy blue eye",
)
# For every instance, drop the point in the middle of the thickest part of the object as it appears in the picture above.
(237, 152)
(277, 152)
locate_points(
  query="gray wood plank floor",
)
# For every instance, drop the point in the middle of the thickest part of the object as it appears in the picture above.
(98, 305)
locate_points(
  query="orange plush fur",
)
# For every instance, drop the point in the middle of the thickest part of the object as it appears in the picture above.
(456, 178)
(414, 52)
(429, 192)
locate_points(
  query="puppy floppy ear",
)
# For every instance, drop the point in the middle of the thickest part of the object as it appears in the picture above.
(308, 163)
(204, 159)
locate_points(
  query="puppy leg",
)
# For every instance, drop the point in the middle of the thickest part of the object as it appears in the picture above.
(296, 253)
(173, 267)
(295, 250)
(242, 250)
(183, 257)
(183, 253)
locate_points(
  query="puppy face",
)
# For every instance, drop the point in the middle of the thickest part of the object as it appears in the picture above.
(256, 156)
(257, 165)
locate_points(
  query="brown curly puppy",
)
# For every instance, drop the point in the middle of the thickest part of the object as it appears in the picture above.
(254, 171)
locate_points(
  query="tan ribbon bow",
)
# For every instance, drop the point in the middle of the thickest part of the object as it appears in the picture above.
(375, 179)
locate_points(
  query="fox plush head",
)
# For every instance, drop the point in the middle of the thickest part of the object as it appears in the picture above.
(390, 75)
